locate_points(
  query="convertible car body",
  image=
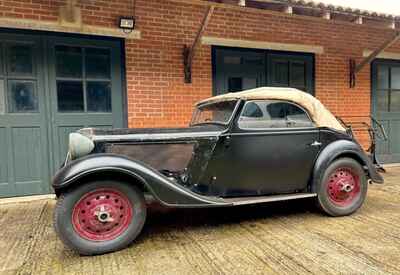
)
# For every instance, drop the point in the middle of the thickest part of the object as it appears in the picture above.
(261, 145)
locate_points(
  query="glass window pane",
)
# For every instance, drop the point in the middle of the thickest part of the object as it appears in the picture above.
(233, 60)
(383, 77)
(69, 61)
(298, 75)
(2, 98)
(297, 117)
(382, 101)
(20, 59)
(252, 110)
(253, 60)
(98, 64)
(253, 116)
(22, 97)
(395, 102)
(281, 74)
(395, 72)
(70, 96)
(276, 110)
(249, 83)
(98, 97)
(235, 84)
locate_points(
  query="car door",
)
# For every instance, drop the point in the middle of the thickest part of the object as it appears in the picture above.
(271, 149)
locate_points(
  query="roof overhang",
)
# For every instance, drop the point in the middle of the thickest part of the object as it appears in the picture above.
(312, 9)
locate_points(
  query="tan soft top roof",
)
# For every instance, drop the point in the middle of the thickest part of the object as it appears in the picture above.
(321, 116)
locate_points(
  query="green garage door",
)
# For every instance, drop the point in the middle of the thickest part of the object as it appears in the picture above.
(386, 107)
(241, 69)
(50, 86)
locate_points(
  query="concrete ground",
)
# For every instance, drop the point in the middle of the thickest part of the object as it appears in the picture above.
(282, 238)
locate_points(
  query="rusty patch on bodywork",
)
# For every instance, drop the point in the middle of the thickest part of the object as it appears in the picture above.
(171, 157)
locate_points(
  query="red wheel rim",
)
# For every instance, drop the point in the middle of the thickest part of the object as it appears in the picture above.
(343, 187)
(102, 215)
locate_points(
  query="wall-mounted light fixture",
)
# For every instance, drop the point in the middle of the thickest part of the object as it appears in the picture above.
(127, 24)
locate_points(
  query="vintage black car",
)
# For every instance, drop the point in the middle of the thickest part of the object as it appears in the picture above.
(256, 146)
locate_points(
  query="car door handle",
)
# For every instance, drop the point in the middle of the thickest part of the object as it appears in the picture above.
(315, 144)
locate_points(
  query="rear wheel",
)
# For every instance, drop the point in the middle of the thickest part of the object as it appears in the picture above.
(343, 188)
(100, 216)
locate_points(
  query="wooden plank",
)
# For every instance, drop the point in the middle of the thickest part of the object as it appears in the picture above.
(199, 34)
(189, 51)
(374, 54)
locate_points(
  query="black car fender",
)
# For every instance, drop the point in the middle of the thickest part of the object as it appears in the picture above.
(338, 149)
(163, 189)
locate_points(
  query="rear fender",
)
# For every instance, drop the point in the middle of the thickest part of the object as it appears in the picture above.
(166, 191)
(338, 149)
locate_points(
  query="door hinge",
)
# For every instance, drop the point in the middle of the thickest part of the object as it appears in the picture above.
(227, 141)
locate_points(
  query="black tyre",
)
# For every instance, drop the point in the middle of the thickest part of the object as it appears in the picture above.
(100, 216)
(343, 188)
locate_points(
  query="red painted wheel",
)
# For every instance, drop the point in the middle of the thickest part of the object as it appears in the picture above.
(343, 186)
(102, 215)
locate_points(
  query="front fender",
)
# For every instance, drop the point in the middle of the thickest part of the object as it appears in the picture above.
(162, 188)
(343, 148)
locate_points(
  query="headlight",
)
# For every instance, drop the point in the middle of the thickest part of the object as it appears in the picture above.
(79, 145)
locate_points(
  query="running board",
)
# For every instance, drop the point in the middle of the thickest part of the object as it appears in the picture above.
(272, 198)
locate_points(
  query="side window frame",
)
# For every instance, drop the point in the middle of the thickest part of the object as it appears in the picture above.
(273, 128)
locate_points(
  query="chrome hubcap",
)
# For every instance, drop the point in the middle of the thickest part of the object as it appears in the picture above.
(102, 215)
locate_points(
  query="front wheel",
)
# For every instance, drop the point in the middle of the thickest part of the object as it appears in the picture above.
(100, 216)
(343, 188)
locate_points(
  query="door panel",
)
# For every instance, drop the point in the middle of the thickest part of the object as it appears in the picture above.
(291, 70)
(383, 146)
(386, 107)
(3, 158)
(269, 151)
(27, 147)
(85, 88)
(241, 69)
(268, 162)
(238, 70)
(24, 166)
(51, 86)
(395, 128)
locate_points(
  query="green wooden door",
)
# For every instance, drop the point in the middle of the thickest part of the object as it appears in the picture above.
(291, 70)
(386, 107)
(51, 86)
(85, 89)
(242, 69)
(24, 161)
(237, 70)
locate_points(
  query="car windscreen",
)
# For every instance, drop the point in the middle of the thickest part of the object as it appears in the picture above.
(214, 113)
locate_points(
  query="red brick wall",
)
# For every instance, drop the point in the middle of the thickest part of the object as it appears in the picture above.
(95, 12)
(157, 95)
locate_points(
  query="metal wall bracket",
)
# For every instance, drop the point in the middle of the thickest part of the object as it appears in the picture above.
(356, 68)
(352, 73)
(189, 50)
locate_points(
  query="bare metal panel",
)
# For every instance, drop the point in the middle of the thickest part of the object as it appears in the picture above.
(173, 157)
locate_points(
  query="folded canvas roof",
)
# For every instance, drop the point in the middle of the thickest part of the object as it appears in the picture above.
(321, 116)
